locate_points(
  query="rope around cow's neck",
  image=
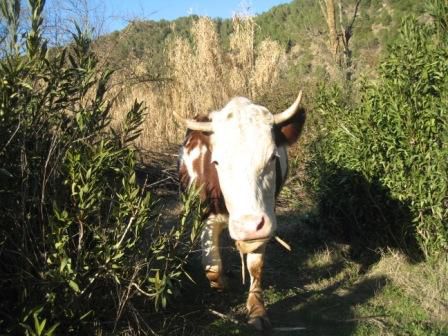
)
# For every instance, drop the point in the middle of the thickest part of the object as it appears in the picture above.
(243, 266)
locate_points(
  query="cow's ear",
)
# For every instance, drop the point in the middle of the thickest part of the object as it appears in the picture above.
(202, 118)
(289, 131)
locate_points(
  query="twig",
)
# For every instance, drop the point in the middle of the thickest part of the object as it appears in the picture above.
(288, 328)
(137, 287)
(125, 232)
(283, 243)
(159, 182)
(11, 137)
(223, 316)
(125, 297)
(356, 319)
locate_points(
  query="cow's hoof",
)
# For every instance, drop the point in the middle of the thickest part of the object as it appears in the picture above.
(217, 281)
(261, 323)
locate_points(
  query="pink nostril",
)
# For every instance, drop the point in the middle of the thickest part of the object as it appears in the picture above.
(260, 225)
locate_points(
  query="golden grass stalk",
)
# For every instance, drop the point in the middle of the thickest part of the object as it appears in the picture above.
(204, 77)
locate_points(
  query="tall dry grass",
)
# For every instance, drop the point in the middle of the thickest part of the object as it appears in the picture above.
(425, 282)
(203, 77)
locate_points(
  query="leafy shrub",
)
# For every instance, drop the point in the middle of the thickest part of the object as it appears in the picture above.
(80, 241)
(380, 167)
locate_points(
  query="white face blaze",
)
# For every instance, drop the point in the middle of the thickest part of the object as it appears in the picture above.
(244, 153)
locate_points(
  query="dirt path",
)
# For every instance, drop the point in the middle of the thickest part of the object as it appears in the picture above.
(309, 291)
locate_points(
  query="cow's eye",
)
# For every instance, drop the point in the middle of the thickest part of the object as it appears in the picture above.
(215, 163)
(273, 156)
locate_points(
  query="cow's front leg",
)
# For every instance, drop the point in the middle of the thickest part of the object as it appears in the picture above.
(255, 304)
(211, 257)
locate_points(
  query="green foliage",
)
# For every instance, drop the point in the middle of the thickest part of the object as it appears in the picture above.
(143, 42)
(381, 168)
(38, 328)
(80, 240)
(289, 23)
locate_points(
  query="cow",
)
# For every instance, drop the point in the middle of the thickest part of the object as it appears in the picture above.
(237, 159)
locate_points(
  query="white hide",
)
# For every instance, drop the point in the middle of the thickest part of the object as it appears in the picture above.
(189, 158)
(213, 226)
(244, 151)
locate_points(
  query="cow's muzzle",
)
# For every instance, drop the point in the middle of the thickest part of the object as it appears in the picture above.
(251, 228)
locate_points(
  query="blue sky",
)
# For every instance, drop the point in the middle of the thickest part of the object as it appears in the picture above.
(118, 12)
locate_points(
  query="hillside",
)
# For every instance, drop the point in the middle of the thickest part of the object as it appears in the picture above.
(298, 26)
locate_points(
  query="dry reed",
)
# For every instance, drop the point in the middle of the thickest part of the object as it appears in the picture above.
(203, 78)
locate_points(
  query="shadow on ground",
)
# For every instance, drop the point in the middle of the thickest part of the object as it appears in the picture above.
(363, 213)
(312, 290)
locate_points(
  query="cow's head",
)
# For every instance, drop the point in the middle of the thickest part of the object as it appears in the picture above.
(247, 144)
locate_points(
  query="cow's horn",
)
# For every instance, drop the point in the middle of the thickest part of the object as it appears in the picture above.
(204, 126)
(289, 112)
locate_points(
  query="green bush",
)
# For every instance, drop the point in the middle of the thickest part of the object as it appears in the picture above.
(380, 165)
(80, 240)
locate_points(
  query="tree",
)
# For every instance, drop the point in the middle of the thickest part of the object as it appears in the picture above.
(329, 14)
(340, 40)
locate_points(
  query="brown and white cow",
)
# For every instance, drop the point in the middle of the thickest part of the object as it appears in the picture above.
(237, 157)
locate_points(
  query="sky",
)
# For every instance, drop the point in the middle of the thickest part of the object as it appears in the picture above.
(120, 12)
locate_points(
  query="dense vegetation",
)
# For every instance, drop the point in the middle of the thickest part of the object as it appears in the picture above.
(381, 163)
(80, 241)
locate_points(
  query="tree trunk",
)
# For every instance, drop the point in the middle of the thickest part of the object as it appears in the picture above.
(331, 23)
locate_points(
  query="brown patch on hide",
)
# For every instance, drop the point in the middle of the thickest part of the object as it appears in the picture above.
(255, 271)
(255, 305)
(207, 176)
(216, 280)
